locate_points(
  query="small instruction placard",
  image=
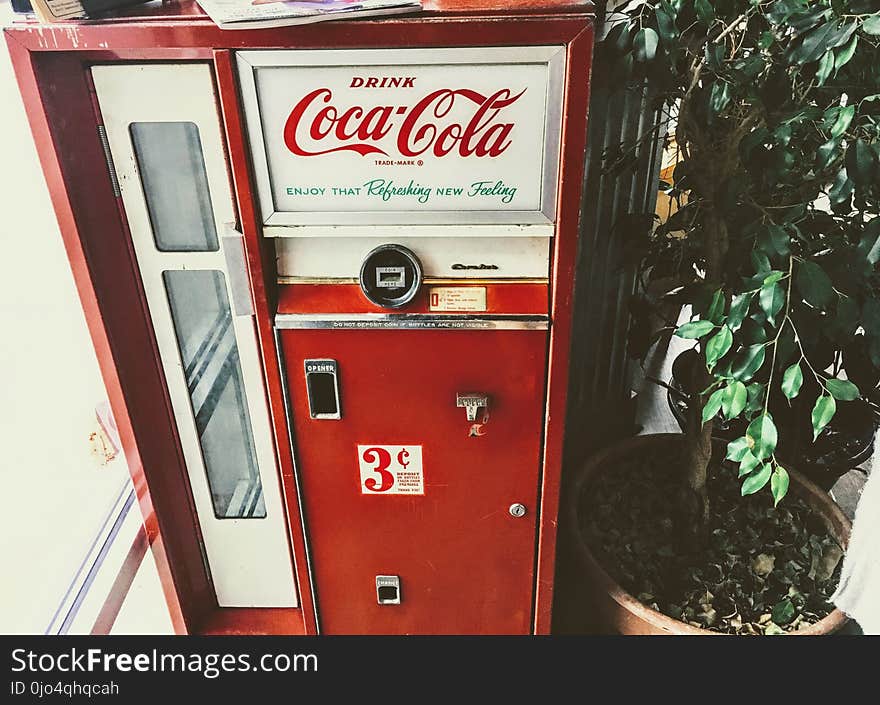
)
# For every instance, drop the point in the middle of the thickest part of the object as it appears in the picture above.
(457, 298)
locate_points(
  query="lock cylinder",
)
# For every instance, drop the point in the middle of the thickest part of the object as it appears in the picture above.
(391, 276)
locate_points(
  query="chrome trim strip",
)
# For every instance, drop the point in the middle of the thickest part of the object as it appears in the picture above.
(307, 548)
(236, 268)
(410, 321)
(428, 281)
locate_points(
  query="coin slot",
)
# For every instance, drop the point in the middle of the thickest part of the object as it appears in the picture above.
(390, 277)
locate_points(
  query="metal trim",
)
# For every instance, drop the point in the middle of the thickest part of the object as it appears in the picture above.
(111, 167)
(232, 243)
(410, 321)
(393, 232)
(307, 548)
(427, 281)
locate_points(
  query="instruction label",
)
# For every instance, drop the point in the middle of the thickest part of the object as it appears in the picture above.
(457, 298)
(391, 469)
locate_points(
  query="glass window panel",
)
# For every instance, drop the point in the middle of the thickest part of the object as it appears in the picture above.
(208, 351)
(172, 169)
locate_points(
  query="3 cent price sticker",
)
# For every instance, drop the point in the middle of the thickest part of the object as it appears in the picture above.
(391, 469)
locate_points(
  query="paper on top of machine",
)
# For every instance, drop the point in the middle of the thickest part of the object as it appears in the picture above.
(251, 14)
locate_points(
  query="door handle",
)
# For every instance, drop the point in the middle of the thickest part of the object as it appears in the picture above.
(472, 402)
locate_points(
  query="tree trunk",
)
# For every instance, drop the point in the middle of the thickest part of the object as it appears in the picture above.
(698, 442)
(694, 498)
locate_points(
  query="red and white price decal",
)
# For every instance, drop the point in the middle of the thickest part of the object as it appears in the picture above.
(391, 469)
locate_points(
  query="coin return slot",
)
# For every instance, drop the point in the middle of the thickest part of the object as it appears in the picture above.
(388, 589)
(323, 389)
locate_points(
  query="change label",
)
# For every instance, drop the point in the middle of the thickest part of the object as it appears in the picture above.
(391, 469)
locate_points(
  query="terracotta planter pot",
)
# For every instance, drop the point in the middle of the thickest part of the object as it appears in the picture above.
(618, 612)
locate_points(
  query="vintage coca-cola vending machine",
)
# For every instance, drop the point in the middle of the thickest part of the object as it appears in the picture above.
(328, 272)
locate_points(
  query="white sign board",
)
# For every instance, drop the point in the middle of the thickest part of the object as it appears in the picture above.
(404, 135)
(391, 469)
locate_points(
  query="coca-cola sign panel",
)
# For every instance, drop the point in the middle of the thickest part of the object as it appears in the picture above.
(406, 135)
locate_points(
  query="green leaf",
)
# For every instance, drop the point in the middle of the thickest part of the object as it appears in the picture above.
(841, 191)
(780, 240)
(716, 308)
(772, 299)
(826, 66)
(861, 160)
(734, 399)
(872, 25)
(823, 412)
(818, 41)
(827, 153)
(843, 55)
(694, 329)
(748, 362)
(739, 309)
(869, 245)
(756, 397)
(783, 134)
(871, 318)
(783, 612)
(844, 118)
(763, 433)
(705, 11)
(719, 96)
(737, 449)
(713, 405)
(773, 277)
(792, 381)
(802, 21)
(842, 389)
(756, 480)
(718, 346)
(748, 463)
(666, 25)
(760, 262)
(779, 481)
(814, 285)
(620, 36)
(645, 45)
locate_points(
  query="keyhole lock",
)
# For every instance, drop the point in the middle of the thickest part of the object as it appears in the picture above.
(517, 510)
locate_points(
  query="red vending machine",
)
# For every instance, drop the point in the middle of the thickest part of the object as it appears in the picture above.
(328, 272)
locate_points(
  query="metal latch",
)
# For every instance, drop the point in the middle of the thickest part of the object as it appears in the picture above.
(236, 269)
(472, 403)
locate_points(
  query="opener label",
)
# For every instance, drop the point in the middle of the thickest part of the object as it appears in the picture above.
(457, 298)
(391, 469)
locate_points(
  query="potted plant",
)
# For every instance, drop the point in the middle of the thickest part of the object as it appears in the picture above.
(774, 247)
(844, 444)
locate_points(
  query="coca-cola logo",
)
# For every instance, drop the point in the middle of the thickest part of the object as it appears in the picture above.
(317, 125)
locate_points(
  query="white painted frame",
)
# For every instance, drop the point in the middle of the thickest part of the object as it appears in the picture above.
(249, 62)
(250, 558)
